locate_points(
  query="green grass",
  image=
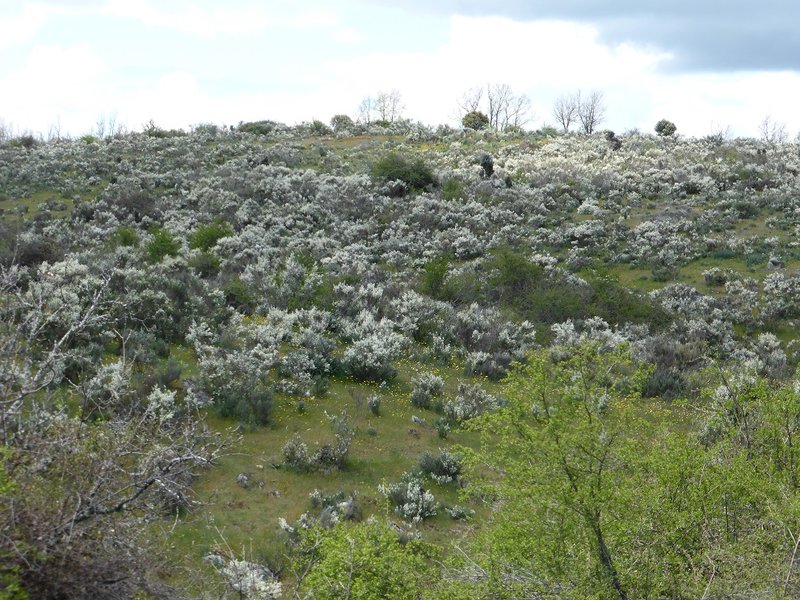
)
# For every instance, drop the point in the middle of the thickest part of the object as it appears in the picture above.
(248, 518)
(30, 204)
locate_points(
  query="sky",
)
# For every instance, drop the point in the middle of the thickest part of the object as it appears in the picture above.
(707, 65)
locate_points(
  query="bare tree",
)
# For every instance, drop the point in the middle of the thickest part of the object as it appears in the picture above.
(470, 101)
(503, 107)
(365, 110)
(389, 105)
(773, 132)
(75, 491)
(565, 110)
(54, 133)
(591, 111)
(517, 113)
(498, 97)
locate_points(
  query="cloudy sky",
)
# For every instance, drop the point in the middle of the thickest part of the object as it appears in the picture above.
(707, 65)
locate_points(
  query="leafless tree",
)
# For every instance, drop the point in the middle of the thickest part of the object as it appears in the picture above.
(504, 108)
(591, 111)
(75, 492)
(54, 133)
(498, 97)
(773, 132)
(517, 113)
(565, 110)
(470, 101)
(365, 110)
(389, 105)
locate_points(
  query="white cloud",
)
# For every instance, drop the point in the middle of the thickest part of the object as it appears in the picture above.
(21, 27)
(222, 20)
(55, 83)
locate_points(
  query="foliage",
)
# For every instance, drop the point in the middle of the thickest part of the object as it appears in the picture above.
(207, 235)
(366, 561)
(666, 128)
(409, 498)
(444, 467)
(427, 387)
(162, 243)
(475, 120)
(487, 164)
(394, 167)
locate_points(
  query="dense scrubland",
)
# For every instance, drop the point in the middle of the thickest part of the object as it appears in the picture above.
(399, 362)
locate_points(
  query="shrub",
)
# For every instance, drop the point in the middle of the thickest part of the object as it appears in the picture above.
(162, 244)
(427, 386)
(295, 454)
(475, 120)
(126, 236)
(433, 278)
(342, 123)
(452, 189)
(460, 513)
(258, 127)
(409, 498)
(487, 164)
(207, 235)
(250, 406)
(665, 128)
(472, 401)
(205, 263)
(374, 404)
(370, 358)
(317, 127)
(443, 467)
(664, 384)
(415, 174)
(239, 295)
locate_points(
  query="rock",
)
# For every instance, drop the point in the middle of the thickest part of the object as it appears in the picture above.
(243, 479)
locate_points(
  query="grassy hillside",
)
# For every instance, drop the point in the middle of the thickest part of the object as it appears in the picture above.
(182, 312)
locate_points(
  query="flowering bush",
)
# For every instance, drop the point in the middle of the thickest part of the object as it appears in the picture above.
(409, 499)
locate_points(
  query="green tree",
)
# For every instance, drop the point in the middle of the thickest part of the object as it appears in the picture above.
(665, 128)
(563, 446)
(475, 120)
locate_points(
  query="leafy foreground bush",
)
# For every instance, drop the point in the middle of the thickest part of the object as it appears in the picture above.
(364, 560)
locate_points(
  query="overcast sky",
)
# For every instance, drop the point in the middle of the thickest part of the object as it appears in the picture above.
(705, 64)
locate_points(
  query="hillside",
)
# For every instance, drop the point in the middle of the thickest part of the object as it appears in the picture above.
(411, 363)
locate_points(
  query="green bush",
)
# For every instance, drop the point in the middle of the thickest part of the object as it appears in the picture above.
(414, 173)
(126, 236)
(239, 295)
(475, 120)
(665, 128)
(433, 278)
(452, 189)
(251, 406)
(342, 123)
(162, 244)
(205, 263)
(207, 235)
(258, 127)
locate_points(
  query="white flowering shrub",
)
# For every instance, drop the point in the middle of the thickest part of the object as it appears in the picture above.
(250, 580)
(409, 499)
(471, 401)
(426, 388)
(443, 467)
